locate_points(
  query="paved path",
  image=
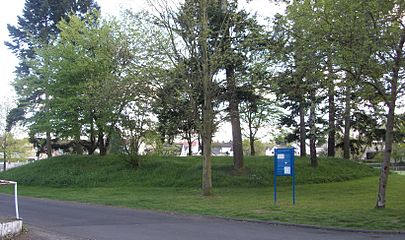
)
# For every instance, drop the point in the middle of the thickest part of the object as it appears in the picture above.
(65, 220)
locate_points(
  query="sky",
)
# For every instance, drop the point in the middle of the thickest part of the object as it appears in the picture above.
(8, 14)
(12, 8)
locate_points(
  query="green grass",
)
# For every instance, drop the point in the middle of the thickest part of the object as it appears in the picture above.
(96, 171)
(339, 193)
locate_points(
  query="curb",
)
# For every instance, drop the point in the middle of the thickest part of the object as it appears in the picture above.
(10, 227)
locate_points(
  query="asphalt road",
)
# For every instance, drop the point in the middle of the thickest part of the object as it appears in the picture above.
(66, 220)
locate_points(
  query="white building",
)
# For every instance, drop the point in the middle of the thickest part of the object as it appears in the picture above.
(195, 150)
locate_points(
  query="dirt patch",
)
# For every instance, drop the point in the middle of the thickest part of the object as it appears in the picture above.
(6, 219)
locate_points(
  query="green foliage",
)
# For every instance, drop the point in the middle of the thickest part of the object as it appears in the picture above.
(81, 65)
(260, 148)
(15, 149)
(36, 28)
(258, 112)
(11, 149)
(38, 25)
(398, 153)
(177, 114)
(94, 76)
(397, 156)
(155, 171)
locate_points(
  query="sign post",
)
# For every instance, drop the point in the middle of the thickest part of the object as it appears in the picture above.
(284, 166)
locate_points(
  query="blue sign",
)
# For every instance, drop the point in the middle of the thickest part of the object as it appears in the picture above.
(284, 166)
(284, 161)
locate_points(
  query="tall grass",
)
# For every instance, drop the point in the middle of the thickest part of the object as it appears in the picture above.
(113, 170)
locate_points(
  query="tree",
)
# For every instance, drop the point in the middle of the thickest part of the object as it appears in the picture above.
(5, 128)
(13, 149)
(242, 48)
(10, 147)
(389, 31)
(177, 114)
(300, 80)
(331, 107)
(231, 60)
(155, 86)
(135, 125)
(35, 28)
(97, 72)
(260, 147)
(195, 39)
(81, 64)
(368, 40)
(257, 112)
(290, 86)
(207, 111)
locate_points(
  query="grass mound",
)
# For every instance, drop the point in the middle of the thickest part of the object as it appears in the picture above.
(111, 171)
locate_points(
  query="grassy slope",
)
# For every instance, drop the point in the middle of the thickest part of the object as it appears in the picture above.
(172, 184)
(96, 171)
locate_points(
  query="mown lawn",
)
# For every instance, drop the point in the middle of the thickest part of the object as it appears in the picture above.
(345, 196)
(345, 204)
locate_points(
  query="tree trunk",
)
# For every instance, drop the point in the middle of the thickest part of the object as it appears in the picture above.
(346, 137)
(332, 110)
(190, 144)
(207, 175)
(93, 142)
(108, 141)
(77, 149)
(200, 147)
(5, 152)
(389, 129)
(4, 161)
(48, 144)
(101, 144)
(385, 165)
(232, 97)
(134, 144)
(92, 146)
(331, 123)
(91, 149)
(252, 145)
(303, 147)
(235, 119)
(207, 124)
(48, 133)
(312, 130)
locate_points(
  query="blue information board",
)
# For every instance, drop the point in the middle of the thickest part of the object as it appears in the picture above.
(284, 166)
(284, 161)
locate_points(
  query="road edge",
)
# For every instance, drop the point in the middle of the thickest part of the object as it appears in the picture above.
(308, 226)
